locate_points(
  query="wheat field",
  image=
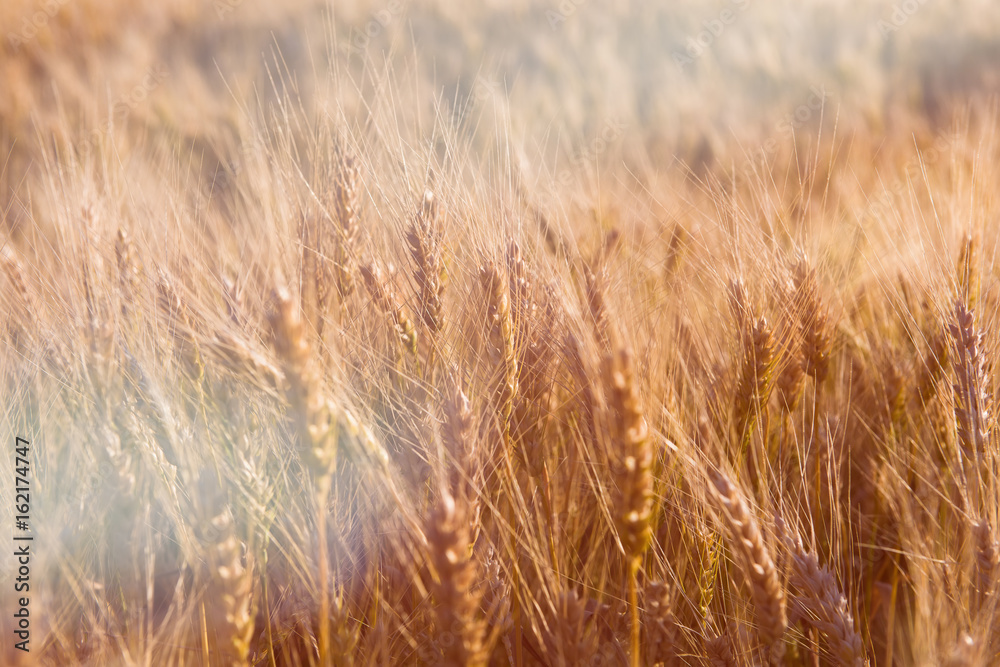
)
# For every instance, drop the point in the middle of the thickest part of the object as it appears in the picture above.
(527, 333)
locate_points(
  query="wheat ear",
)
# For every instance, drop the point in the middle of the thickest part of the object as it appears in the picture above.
(424, 239)
(819, 601)
(634, 459)
(768, 596)
(971, 400)
(455, 571)
(814, 318)
(20, 322)
(501, 329)
(754, 386)
(347, 206)
(987, 559)
(230, 596)
(387, 301)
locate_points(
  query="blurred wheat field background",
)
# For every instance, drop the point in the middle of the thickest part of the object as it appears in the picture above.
(516, 333)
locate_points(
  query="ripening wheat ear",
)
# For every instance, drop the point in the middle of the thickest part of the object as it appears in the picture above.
(987, 560)
(740, 305)
(522, 305)
(315, 272)
(314, 428)
(791, 379)
(449, 546)
(595, 281)
(229, 604)
(968, 270)
(819, 601)
(633, 456)
(347, 206)
(533, 335)
(386, 300)
(664, 640)
(456, 436)
(719, 651)
(243, 360)
(569, 637)
(748, 542)
(181, 327)
(20, 320)
(814, 318)
(501, 339)
(754, 387)
(128, 271)
(424, 239)
(971, 400)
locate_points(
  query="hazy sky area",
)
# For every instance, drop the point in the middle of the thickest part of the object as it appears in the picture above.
(684, 77)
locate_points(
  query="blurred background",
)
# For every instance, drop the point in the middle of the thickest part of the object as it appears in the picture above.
(697, 83)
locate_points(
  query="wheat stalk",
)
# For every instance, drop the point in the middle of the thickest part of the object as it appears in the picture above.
(315, 429)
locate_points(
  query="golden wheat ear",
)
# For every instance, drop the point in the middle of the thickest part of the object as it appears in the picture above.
(229, 604)
(424, 240)
(500, 327)
(662, 634)
(819, 601)
(747, 542)
(311, 417)
(385, 298)
(633, 461)
(449, 546)
(20, 321)
(987, 560)
(633, 454)
(814, 318)
(347, 214)
(972, 403)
